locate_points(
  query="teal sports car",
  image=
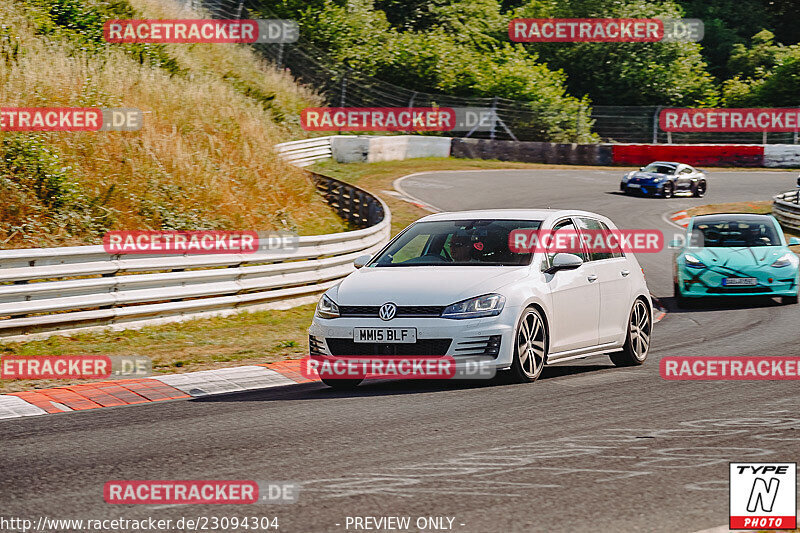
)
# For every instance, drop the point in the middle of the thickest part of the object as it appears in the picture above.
(735, 255)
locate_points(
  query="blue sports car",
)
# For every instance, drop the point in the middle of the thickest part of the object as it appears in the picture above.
(735, 255)
(665, 178)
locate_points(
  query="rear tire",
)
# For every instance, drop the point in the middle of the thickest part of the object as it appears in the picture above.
(699, 189)
(789, 299)
(669, 189)
(342, 384)
(530, 347)
(637, 342)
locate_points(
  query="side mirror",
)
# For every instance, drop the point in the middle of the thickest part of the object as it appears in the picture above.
(564, 261)
(361, 260)
(641, 168)
(794, 241)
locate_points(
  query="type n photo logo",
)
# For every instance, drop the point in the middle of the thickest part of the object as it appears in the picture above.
(763, 495)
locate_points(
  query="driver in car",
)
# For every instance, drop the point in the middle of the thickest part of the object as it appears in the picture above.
(461, 248)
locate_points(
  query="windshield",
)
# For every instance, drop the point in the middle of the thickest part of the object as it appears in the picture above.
(457, 242)
(659, 169)
(730, 233)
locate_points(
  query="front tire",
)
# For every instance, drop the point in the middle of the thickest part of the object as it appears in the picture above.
(680, 300)
(530, 347)
(342, 384)
(699, 189)
(669, 189)
(637, 342)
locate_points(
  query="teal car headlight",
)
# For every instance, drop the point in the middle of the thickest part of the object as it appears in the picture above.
(479, 307)
(693, 262)
(786, 259)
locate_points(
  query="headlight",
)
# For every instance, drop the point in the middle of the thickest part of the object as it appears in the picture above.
(482, 306)
(326, 308)
(626, 177)
(693, 262)
(785, 260)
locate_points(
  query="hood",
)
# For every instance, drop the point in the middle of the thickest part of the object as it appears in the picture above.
(738, 257)
(423, 285)
(648, 176)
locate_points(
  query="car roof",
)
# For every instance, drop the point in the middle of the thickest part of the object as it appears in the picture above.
(667, 163)
(723, 217)
(509, 214)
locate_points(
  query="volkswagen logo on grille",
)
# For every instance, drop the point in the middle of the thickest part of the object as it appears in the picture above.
(387, 311)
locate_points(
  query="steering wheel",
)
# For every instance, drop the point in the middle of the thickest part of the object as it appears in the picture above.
(438, 258)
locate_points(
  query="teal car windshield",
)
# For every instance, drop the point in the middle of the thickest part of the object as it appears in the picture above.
(719, 232)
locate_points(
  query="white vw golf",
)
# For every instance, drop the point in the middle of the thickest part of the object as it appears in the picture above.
(450, 285)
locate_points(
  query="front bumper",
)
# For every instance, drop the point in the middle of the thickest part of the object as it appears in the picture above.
(645, 189)
(470, 339)
(707, 282)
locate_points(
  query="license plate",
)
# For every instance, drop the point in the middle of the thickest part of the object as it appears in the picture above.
(634, 186)
(392, 335)
(738, 282)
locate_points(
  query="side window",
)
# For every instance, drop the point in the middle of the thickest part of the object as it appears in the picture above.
(598, 233)
(566, 226)
(686, 171)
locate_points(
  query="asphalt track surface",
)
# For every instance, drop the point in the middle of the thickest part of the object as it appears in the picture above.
(588, 447)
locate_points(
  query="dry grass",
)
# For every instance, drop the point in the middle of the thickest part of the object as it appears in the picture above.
(246, 338)
(204, 157)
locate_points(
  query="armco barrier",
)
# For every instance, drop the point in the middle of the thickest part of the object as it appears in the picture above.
(60, 290)
(533, 152)
(733, 155)
(786, 209)
(305, 152)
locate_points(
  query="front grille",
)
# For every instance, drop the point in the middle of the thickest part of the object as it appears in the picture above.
(734, 290)
(421, 347)
(479, 346)
(403, 311)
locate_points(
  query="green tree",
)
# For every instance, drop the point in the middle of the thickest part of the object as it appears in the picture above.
(625, 73)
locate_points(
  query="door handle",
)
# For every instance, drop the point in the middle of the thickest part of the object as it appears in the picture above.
(625, 273)
(592, 277)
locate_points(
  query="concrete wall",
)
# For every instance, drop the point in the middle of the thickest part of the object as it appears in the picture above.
(350, 148)
(533, 152)
(371, 149)
(718, 155)
(782, 155)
